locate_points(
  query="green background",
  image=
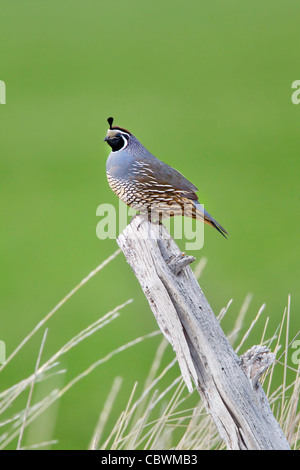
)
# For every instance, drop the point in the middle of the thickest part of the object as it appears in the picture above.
(206, 87)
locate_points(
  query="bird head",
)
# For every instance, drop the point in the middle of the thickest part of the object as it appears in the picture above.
(117, 137)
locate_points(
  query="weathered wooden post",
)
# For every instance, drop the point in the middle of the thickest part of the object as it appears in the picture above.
(228, 384)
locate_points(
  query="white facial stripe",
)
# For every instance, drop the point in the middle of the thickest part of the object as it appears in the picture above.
(125, 140)
(124, 133)
(113, 132)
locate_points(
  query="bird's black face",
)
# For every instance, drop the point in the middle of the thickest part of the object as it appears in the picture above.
(117, 137)
(118, 140)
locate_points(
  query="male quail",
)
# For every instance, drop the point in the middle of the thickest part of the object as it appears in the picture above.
(148, 185)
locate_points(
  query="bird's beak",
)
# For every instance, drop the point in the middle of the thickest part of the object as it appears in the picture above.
(106, 139)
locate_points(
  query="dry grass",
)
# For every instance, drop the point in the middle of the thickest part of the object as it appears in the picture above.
(155, 416)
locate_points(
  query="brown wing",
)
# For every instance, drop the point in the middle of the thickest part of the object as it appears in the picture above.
(163, 177)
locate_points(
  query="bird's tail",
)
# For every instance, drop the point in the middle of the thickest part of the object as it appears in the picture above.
(203, 215)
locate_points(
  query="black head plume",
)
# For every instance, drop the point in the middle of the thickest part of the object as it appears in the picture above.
(110, 121)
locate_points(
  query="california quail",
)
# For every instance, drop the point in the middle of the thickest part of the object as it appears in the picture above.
(148, 185)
